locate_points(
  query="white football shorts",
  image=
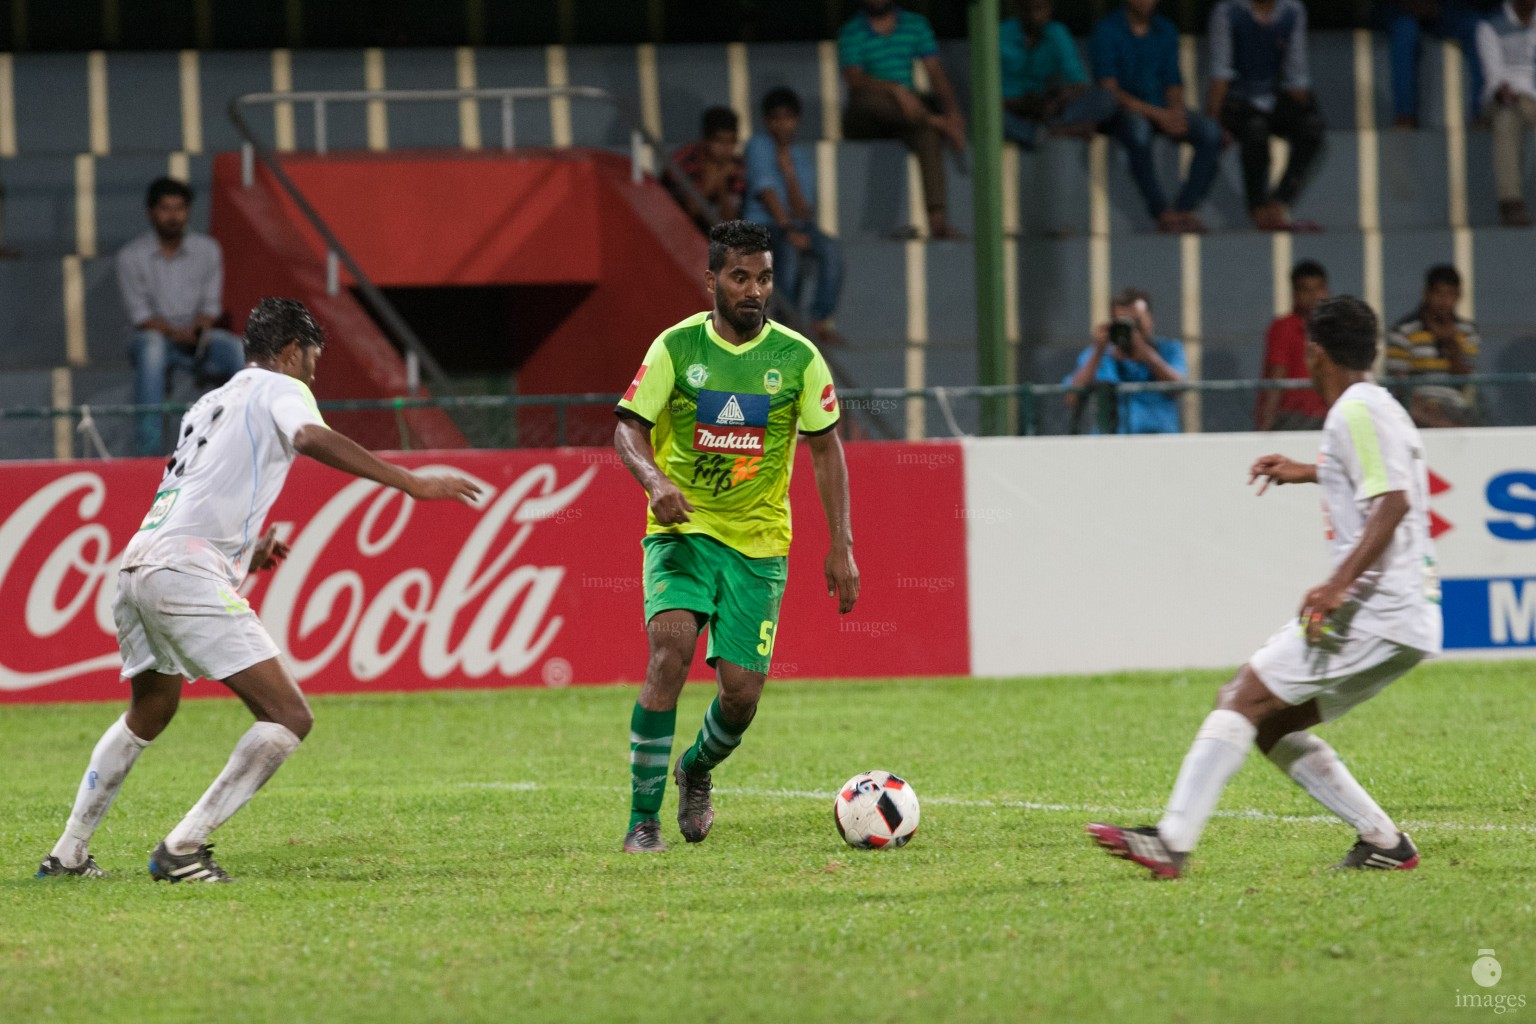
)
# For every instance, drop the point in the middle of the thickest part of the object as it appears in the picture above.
(185, 625)
(1340, 672)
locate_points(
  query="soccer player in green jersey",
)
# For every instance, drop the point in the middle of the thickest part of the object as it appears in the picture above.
(709, 428)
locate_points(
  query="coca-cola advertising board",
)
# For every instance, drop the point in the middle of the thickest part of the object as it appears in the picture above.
(537, 585)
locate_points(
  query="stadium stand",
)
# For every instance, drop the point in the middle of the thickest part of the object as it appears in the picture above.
(90, 129)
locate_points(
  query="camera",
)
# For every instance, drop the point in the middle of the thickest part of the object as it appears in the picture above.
(1121, 331)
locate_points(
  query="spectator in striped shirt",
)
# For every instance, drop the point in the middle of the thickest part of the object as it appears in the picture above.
(876, 50)
(716, 171)
(1433, 339)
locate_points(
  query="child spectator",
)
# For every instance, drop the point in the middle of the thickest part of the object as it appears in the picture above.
(714, 168)
(781, 194)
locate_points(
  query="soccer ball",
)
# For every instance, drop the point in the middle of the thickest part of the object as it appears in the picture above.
(875, 810)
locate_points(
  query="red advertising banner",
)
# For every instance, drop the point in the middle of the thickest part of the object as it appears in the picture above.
(537, 586)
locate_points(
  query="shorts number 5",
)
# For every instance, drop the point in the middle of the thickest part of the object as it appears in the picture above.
(766, 634)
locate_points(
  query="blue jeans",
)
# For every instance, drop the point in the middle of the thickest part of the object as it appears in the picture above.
(1455, 21)
(155, 357)
(1092, 106)
(788, 268)
(1136, 134)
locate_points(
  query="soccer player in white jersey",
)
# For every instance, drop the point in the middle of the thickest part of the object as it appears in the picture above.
(1372, 620)
(179, 615)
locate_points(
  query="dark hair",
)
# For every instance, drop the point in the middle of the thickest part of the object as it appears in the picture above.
(162, 187)
(1306, 269)
(720, 119)
(1130, 296)
(1346, 329)
(781, 98)
(1442, 273)
(276, 322)
(737, 236)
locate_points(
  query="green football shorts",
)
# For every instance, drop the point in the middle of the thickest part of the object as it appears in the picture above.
(739, 596)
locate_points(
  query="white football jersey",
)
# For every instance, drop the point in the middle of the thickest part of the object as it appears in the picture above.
(1370, 447)
(232, 456)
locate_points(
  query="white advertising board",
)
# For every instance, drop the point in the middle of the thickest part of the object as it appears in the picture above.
(1097, 554)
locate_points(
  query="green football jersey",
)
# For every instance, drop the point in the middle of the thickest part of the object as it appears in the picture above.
(724, 422)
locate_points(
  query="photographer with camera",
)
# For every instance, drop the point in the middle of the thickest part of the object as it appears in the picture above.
(1128, 350)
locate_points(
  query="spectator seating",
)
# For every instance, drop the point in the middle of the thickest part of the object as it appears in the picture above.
(90, 131)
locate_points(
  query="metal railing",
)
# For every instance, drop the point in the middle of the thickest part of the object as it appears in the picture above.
(510, 421)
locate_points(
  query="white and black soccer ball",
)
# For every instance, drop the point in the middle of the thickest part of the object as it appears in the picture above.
(875, 810)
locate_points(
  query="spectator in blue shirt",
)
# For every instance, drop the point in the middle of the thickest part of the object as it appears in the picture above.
(1044, 82)
(1136, 57)
(1128, 350)
(781, 194)
(876, 50)
(1260, 87)
(1406, 22)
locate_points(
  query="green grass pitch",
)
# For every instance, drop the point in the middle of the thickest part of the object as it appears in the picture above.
(454, 857)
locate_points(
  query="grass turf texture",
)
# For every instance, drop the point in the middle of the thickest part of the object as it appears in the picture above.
(454, 857)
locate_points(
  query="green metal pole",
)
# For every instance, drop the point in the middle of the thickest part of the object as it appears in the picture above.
(987, 175)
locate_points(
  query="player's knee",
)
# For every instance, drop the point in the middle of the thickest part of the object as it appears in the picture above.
(1285, 749)
(147, 722)
(298, 720)
(666, 662)
(739, 708)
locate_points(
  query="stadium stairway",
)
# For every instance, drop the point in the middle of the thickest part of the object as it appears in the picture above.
(82, 134)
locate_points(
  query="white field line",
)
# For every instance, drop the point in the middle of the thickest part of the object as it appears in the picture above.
(1029, 805)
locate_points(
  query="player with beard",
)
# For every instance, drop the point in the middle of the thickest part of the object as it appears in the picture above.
(709, 427)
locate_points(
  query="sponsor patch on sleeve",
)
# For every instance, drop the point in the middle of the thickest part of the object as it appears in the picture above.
(634, 385)
(828, 398)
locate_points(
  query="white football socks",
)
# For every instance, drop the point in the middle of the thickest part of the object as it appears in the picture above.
(1316, 768)
(260, 752)
(1218, 752)
(114, 755)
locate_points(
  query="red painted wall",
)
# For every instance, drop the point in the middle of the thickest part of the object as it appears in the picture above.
(420, 219)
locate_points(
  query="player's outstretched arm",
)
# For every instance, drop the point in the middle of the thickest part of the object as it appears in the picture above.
(632, 440)
(832, 484)
(338, 451)
(1277, 469)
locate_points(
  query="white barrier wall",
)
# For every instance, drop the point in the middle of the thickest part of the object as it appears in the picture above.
(1094, 554)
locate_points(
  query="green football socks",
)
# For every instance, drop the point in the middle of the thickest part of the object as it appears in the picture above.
(650, 748)
(715, 742)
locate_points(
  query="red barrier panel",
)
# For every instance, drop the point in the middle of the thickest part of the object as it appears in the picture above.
(538, 586)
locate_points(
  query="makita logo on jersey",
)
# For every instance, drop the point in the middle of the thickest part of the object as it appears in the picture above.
(741, 441)
(729, 421)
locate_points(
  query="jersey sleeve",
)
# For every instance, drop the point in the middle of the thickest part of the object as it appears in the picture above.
(293, 407)
(1380, 459)
(818, 398)
(651, 389)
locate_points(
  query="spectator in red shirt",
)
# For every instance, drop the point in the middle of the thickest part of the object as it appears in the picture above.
(1285, 358)
(715, 168)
